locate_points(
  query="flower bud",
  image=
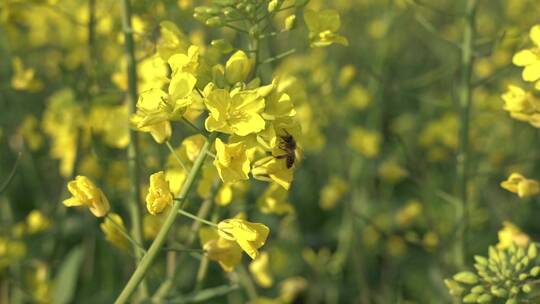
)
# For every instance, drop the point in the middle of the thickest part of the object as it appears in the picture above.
(237, 68)
(290, 22)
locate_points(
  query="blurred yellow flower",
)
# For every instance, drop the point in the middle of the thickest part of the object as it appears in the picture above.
(408, 213)
(523, 187)
(185, 63)
(391, 171)
(159, 194)
(511, 234)
(291, 287)
(522, 105)
(29, 129)
(322, 27)
(37, 222)
(24, 78)
(236, 112)
(111, 228)
(260, 271)
(366, 142)
(250, 236)
(332, 192)
(530, 58)
(172, 40)
(85, 193)
(274, 200)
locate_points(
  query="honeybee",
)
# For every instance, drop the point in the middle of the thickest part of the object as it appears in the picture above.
(287, 144)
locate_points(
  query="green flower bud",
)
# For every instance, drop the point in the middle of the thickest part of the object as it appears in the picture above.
(478, 289)
(470, 298)
(481, 260)
(523, 276)
(201, 17)
(535, 271)
(526, 288)
(498, 292)
(485, 298)
(466, 277)
(222, 45)
(511, 301)
(214, 22)
(514, 290)
(454, 287)
(532, 252)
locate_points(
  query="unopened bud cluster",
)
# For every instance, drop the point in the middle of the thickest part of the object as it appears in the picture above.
(505, 276)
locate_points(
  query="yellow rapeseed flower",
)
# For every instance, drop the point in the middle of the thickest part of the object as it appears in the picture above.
(112, 231)
(37, 222)
(366, 142)
(85, 193)
(231, 161)
(273, 169)
(159, 194)
(236, 112)
(511, 234)
(259, 268)
(250, 236)
(226, 252)
(530, 58)
(520, 185)
(237, 67)
(322, 27)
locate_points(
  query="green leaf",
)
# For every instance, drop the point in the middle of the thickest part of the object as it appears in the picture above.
(65, 281)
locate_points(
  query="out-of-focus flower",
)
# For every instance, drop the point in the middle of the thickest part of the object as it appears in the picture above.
(111, 228)
(523, 187)
(366, 142)
(151, 226)
(37, 222)
(530, 58)
(29, 131)
(236, 112)
(10, 251)
(332, 192)
(159, 194)
(522, 105)
(226, 252)
(85, 193)
(260, 271)
(408, 213)
(172, 40)
(323, 27)
(23, 79)
(274, 200)
(231, 161)
(511, 234)
(250, 236)
(291, 287)
(391, 171)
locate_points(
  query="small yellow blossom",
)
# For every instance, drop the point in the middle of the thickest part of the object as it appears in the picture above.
(24, 78)
(37, 222)
(274, 200)
(511, 234)
(530, 58)
(366, 142)
(159, 194)
(172, 40)
(520, 185)
(323, 26)
(273, 169)
(250, 236)
(85, 193)
(260, 271)
(226, 252)
(332, 192)
(236, 112)
(522, 105)
(408, 213)
(112, 231)
(291, 287)
(391, 171)
(187, 63)
(231, 161)
(29, 129)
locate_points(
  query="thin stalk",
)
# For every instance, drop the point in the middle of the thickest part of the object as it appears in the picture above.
(196, 218)
(465, 98)
(176, 156)
(203, 211)
(133, 148)
(125, 234)
(158, 242)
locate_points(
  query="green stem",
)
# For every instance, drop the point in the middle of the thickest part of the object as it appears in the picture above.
(196, 218)
(465, 96)
(126, 235)
(203, 211)
(176, 156)
(277, 57)
(133, 148)
(158, 242)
